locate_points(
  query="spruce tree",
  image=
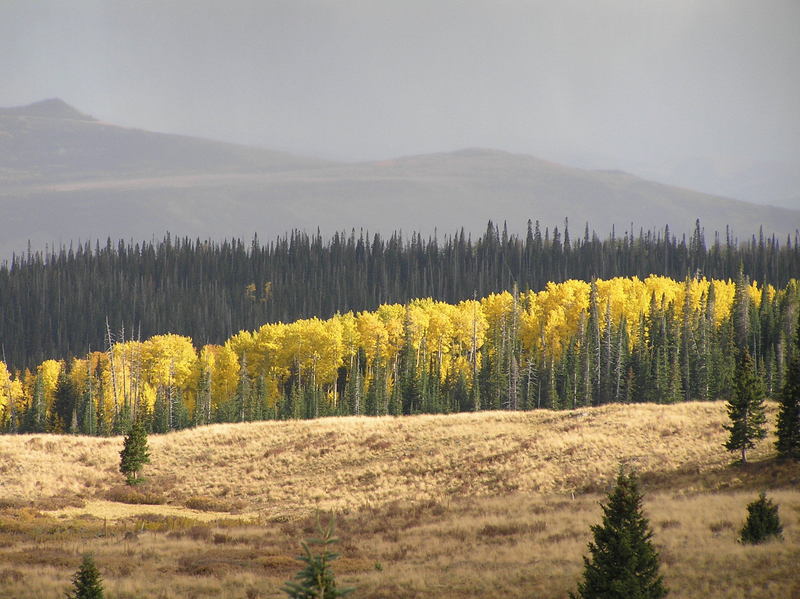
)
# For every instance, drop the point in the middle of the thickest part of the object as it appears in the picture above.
(746, 408)
(316, 580)
(87, 583)
(623, 563)
(762, 521)
(788, 443)
(65, 398)
(135, 453)
(36, 414)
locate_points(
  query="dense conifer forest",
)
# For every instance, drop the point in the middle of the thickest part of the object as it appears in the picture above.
(56, 303)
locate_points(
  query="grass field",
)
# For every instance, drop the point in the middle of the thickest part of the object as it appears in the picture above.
(494, 504)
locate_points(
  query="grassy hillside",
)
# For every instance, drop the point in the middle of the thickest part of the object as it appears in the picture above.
(469, 505)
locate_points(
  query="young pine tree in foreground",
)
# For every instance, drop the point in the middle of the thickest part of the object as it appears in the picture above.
(135, 453)
(762, 521)
(316, 580)
(788, 443)
(86, 583)
(746, 409)
(623, 563)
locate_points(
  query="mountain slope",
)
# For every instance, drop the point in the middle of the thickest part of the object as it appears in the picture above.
(64, 176)
(51, 142)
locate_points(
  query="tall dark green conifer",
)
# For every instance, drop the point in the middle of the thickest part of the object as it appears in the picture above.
(623, 563)
(36, 414)
(746, 408)
(135, 453)
(65, 399)
(788, 428)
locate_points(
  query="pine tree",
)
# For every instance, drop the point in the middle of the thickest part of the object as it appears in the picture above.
(135, 453)
(87, 583)
(65, 398)
(160, 420)
(316, 580)
(36, 414)
(762, 521)
(788, 443)
(746, 409)
(88, 421)
(624, 564)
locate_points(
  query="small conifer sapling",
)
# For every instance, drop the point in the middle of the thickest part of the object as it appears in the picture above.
(86, 583)
(762, 521)
(316, 580)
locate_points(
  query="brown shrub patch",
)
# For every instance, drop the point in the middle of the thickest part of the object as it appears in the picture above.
(50, 504)
(507, 529)
(204, 503)
(135, 495)
(8, 575)
(721, 526)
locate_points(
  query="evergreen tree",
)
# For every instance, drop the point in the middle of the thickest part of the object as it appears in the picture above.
(179, 411)
(762, 521)
(161, 420)
(35, 416)
(202, 410)
(624, 564)
(88, 415)
(87, 583)
(746, 409)
(788, 443)
(316, 580)
(65, 400)
(135, 453)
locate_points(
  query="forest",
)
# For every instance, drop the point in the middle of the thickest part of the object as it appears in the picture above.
(572, 344)
(57, 303)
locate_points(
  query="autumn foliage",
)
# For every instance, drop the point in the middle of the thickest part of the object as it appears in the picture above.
(572, 344)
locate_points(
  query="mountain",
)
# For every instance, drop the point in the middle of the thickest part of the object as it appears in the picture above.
(65, 176)
(50, 142)
(54, 108)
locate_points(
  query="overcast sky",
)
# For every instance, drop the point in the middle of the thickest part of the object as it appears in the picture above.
(615, 84)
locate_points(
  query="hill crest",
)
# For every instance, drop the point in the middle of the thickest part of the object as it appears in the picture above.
(51, 108)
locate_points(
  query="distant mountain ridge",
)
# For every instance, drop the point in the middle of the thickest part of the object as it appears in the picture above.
(52, 108)
(65, 176)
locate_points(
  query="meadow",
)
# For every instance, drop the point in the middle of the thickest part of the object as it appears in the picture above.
(490, 504)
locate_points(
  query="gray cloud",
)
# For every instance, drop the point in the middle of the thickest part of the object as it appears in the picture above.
(628, 84)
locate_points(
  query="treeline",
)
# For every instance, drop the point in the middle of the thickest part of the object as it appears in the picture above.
(572, 344)
(56, 304)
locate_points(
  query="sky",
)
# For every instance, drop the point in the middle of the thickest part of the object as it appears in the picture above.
(693, 92)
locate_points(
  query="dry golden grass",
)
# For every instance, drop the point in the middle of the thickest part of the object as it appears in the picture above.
(468, 505)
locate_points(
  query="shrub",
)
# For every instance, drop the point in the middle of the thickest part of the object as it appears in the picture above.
(762, 521)
(125, 494)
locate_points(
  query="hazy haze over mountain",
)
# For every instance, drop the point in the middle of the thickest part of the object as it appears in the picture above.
(621, 80)
(65, 176)
(698, 94)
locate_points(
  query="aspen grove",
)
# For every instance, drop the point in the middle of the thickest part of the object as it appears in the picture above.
(570, 345)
